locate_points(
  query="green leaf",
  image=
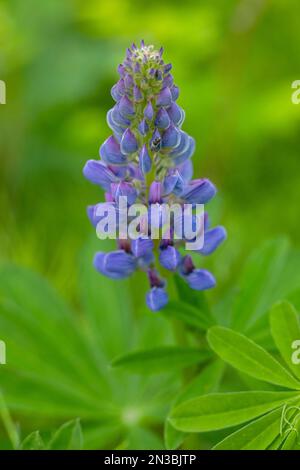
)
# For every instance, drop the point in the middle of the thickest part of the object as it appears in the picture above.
(222, 410)
(285, 330)
(67, 437)
(167, 358)
(33, 442)
(205, 382)
(246, 356)
(257, 435)
(192, 316)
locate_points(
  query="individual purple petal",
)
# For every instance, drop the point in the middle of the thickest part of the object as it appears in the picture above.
(164, 97)
(137, 95)
(148, 111)
(186, 170)
(98, 173)
(212, 239)
(118, 119)
(171, 137)
(155, 192)
(157, 298)
(162, 119)
(169, 182)
(145, 160)
(121, 70)
(128, 81)
(141, 247)
(169, 258)
(167, 68)
(125, 107)
(186, 265)
(118, 130)
(158, 75)
(124, 188)
(116, 264)
(182, 157)
(155, 142)
(168, 80)
(200, 279)
(176, 114)
(129, 144)
(199, 191)
(110, 152)
(91, 215)
(94, 211)
(137, 67)
(118, 90)
(174, 92)
(143, 127)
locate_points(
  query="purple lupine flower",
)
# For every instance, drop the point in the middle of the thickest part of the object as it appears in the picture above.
(148, 160)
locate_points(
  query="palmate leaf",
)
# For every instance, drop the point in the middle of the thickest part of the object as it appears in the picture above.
(205, 382)
(161, 359)
(285, 329)
(270, 274)
(246, 356)
(222, 410)
(257, 435)
(58, 361)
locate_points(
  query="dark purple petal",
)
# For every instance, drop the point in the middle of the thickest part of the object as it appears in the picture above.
(155, 192)
(110, 152)
(212, 239)
(176, 114)
(157, 298)
(145, 160)
(169, 258)
(164, 98)
(148, 111)
(118, 130)
(200, 279)
(116, 264)
(128, 81)
(155, 142)
(124, 189)
(118, 90)
(125, 107)
(199, 191)
(171, 137)
(118, 119)
(174, 92)
(167, 68)
(162, 119)
(137, 95)
(186, 170)
(143, 127)
(129, 144)
(169, 182)
(168, 80)
(185, 155)
(121, 70)
(141, 247)
(98, 173)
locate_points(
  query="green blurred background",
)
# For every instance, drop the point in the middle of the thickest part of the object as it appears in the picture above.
(234, 62)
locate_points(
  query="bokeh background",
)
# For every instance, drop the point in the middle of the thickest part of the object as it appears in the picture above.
(234, 61)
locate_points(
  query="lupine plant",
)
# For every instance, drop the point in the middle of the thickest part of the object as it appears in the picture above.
(148, 160)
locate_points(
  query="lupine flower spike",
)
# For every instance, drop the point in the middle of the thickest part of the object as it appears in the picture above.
(148, 159)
